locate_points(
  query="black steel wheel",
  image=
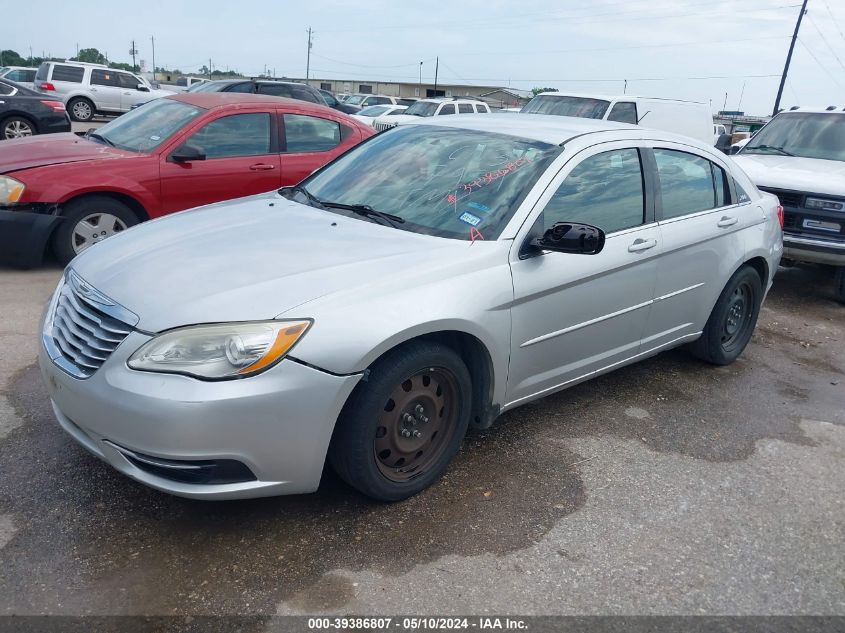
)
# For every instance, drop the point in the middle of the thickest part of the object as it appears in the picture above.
(403, 425)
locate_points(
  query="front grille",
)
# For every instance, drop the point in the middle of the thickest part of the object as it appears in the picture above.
(794, 199)
(790, 220)
(381, 127)
(83, 333)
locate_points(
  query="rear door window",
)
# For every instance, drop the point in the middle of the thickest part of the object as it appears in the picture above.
(305, 133)
(686, 183)
(464, 108)
(276, 90)
(73, 74)
(103, 78)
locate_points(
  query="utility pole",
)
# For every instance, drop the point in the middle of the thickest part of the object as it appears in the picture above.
(789, 57)
(725, 106)
(30, 55)
(153, 42)
(436, 68)
(209, 68)
(419, 92)
(625, 88)
(132, 52)
(308, 57)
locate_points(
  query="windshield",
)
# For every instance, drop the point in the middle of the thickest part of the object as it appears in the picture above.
(147, 127)
(377, 110)
(448, 182)
(422, 108)
(804, 134)
(356, 99)
(582, 107)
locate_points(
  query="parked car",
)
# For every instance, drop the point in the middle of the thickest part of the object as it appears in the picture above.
(373, 314)
(431, 107)
(718, 131)
(289, 89)
(361, 101)
(369, 114)
(172, 154)
(333, 103)
(90, 89)
(670, 115)
(186, 83)
(799, 156)
(20, 75)
(25, 112)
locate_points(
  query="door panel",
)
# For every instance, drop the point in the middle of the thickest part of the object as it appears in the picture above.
(700, 246)
(105, 89)
(577, 314)
(241, 161)
(130, 95)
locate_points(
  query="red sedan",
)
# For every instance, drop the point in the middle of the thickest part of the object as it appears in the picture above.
(168, 155)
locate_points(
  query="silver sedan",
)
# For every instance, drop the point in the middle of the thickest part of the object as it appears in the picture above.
(428, 280)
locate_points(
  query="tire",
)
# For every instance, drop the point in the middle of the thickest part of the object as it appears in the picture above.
(17, 127)
(81, 109)
(369, 449)
(104, 216)
(732, 320)
(839, 284)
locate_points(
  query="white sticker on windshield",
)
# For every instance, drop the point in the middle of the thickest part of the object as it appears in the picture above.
(155, 138)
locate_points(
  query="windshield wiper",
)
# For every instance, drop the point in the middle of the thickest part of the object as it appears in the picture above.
(774, 148)
(100, 138)
(365, 210)
(359, 209)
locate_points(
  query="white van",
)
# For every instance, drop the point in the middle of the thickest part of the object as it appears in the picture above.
(672, 115)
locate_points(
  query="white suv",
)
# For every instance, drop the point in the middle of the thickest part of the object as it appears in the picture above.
(432, 107)
(88, 89)
(799, 156)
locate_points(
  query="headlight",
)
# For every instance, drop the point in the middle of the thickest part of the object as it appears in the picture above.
(215, 352)
(11, 190)
(827, 205)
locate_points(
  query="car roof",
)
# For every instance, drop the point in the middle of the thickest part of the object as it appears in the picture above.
(624, 97)
(210, 100)
(539, 127)
(814, 109)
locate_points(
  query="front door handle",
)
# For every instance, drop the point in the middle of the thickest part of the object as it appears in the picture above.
(726, 221)
(640, 245)
(262, 167)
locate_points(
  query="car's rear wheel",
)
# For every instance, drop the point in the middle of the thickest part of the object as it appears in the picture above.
(81, 109)
(88, 221)
(732, 320)
(839, 284)
(17, 127)
(404, 424)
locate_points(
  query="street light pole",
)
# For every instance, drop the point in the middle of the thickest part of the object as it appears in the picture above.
(153, 42)
(308, 58)
(436, 68)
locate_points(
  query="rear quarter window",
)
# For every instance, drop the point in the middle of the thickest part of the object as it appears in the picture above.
(73, 74)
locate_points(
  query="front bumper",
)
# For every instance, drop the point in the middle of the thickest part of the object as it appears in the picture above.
(278, 424)
(803, 248)
(24, 232)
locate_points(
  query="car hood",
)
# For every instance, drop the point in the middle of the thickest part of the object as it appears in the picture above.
(250, 259)
(810, 175)
(53, 149)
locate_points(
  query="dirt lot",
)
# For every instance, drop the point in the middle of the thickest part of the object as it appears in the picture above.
(669, 487)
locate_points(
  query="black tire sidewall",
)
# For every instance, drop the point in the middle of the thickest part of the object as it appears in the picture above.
(351, 451)
(711, 348)
(77, 100)
(10, 119)
(74, 211)
(839, 284)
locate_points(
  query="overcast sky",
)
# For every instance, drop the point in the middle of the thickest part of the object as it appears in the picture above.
(689, 49)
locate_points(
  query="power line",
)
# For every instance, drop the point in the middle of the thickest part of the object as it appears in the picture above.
(824, 39)
(833, 19)
(822, 66)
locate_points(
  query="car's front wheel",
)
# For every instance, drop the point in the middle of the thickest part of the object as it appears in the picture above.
(81, 109)
(16, 127)
(403, 425)
(88, 221)
(732, 320)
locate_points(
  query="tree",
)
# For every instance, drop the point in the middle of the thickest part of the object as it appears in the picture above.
(11, 58)
(122, 66)
(91, 56)
(538, 90)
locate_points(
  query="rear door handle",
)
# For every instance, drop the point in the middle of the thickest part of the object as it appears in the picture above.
(262, 167)
(726, 221)
(641, 245)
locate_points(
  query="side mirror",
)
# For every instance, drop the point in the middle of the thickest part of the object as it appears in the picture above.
(187, 153)
(567, 237)
(142, 88)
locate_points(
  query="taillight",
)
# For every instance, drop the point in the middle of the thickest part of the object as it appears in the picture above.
(56, 106)
(46, 85)
(780, 217)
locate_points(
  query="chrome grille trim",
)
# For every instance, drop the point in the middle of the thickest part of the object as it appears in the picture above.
(84, 327)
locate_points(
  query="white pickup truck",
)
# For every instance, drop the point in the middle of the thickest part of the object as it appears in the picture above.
(799, 156)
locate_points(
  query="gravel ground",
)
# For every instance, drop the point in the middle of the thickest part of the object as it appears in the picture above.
(668, 487)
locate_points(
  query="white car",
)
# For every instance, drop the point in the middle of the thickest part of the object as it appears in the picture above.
(432, 107)
(371, 113)
(20, 75)
(363, 101)
(89, 89)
